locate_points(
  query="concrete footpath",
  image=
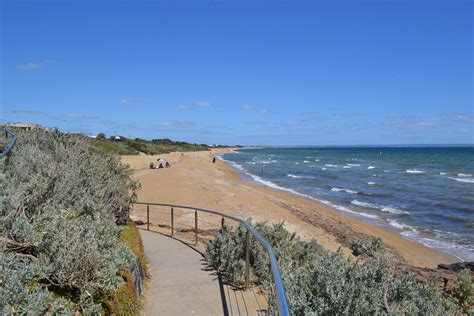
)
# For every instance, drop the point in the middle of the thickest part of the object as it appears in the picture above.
(180, 286)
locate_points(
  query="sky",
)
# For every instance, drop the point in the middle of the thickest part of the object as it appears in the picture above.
(242, 72)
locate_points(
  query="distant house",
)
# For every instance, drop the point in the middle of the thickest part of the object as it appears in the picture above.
(117, 138)
(25, 126)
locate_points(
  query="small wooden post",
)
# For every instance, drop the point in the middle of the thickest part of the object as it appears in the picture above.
(148, 217)
(222, 222)
(196, 227)
(247, 260)
(172, 222)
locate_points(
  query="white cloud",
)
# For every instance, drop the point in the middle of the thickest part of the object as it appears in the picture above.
(428, 123)
(195, 105)
(181, 108)
(253, 108)
(184, 123)
(28, 112)
(248, 107)
(202, 104)
(35, 66)
(76, 117)
(129, 101)
(408, 123)
(464, 118)
(174, 125)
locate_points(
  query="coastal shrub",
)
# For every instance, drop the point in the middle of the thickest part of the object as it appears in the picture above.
(54, 169)
(464, 292)
(367, 247)
(60, 206)
(318, 281)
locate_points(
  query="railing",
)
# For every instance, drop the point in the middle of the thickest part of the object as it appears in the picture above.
(279, 289)
(8, 139)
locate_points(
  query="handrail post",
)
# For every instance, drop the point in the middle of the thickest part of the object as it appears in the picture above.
(196, 227)
(247, 260)
(222, 222)
(172, 221)
(148, 217)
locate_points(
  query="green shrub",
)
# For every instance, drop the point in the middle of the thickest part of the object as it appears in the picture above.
(60, 204)
(322, 282)
(366, 247)
(464, 292)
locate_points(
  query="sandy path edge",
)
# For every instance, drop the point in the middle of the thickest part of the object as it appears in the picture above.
(194, 180)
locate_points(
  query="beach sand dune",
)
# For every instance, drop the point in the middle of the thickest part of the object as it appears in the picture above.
(194, 180)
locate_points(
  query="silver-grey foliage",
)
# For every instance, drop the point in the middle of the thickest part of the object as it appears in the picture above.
(60, 204)
(320, 282)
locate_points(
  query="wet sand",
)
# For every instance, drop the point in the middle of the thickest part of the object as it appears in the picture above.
(194, 180)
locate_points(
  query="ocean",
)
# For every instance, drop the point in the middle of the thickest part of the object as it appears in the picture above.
(425, 193)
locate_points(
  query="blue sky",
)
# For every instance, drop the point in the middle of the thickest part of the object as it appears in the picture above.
(242, 72)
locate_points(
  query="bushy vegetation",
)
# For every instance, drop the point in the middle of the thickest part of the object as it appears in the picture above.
(328, 283)
(61, 211)
(124, 146)
(367, 247)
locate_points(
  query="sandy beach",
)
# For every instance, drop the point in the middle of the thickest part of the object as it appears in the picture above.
(194, 180)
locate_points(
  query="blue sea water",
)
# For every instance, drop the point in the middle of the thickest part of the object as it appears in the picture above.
(425, 193)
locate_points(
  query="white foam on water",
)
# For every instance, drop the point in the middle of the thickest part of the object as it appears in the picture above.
(329, 165)
(370, 167)
(324, 169)
(306, 161)
(464, 175)
(344, 190)
(387, 209)
(460, 251)
(393, 210)
(316, 160)
(293, 176)
(465, 253)
(365, 204)
(347, 167)
(345, 209)
(276, 186)
(297, 163)
(353, 165)
(442, 173)
(415, 171)
(462, 180)
(233, 164)
(289, 175)
(399, 225)
(370, 183)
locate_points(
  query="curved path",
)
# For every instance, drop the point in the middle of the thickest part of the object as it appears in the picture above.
(180, 285)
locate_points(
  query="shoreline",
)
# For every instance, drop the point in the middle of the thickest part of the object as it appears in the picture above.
(364, 217)
(194, 180)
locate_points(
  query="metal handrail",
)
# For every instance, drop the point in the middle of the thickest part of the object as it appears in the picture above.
(279, 288)
(10, 144)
